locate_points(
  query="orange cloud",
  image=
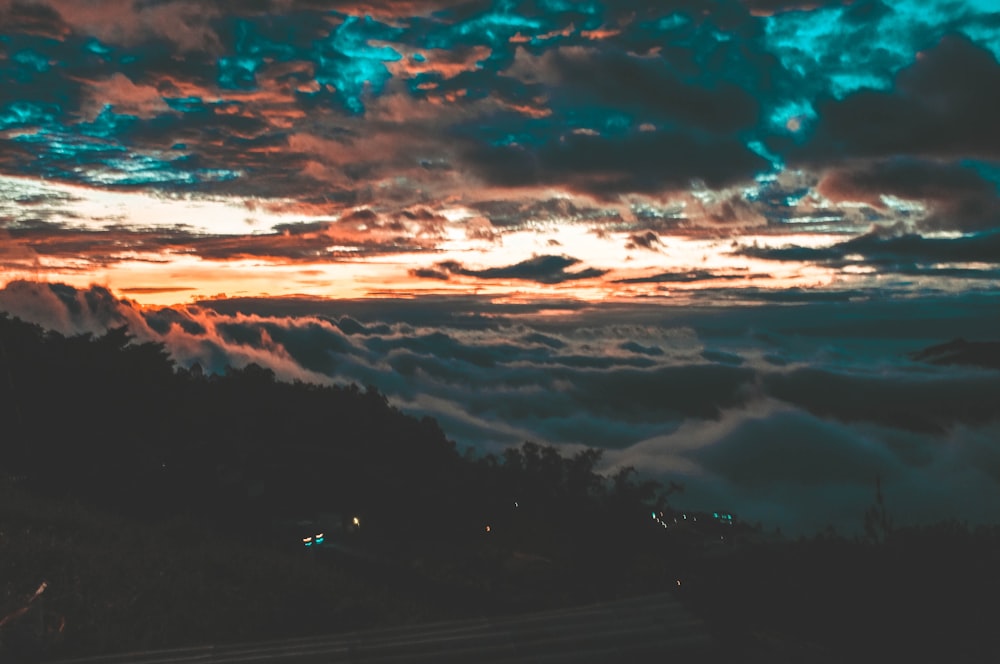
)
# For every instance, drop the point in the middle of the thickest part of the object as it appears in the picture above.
(124, 96)
(600, 33)
(445, 63)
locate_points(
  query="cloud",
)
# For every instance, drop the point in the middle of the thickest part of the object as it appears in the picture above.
(687, 277)
(956, 197)
(607, 166)
(648, 240)
(381, 128)
(547, 269)
(654, 88)
(515, 213)
(125, 97)
(895, 252)
(919, 402)
(791, 447)
(769, 7)
(938, 107)
(322, 108)
(781, 466)
(127, 22)
(70, 311)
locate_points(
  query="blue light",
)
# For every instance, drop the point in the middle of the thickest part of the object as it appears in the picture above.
(777, 163)
(25, 113)
(185, 104)
(672, 22)
(349, 64)
(565, 6)
(33, 60)
(617, 122)
(812, 45)
(838, 50)
(107, 124)
(97, 48)
(238, 72)
(498, 27)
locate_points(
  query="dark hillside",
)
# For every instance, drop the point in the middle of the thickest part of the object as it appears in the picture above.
(146, 506)
(158, 475)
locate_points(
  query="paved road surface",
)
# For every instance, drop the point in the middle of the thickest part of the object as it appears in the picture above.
(646, 629)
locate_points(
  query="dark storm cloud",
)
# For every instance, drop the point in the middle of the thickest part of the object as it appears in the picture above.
(548, 269)
(44, 239)
(687, 277)
(650, 87)
(637, 162)
(767, 7)
(514, 213)
(904, 253)
(638, 348)
(33, 19)
(957, 197)
(940, 106)
(330, 106)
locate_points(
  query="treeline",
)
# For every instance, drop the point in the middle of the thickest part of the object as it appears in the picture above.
(159, 504)
(116, 423)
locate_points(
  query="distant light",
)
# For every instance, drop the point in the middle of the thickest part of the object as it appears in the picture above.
(487, 529)
(308, 541)
(515, 504)
(678, 583)
(356, 521)
(319, 538)
(654, 515)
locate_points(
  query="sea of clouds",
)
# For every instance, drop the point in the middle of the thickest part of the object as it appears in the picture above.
(782, 413)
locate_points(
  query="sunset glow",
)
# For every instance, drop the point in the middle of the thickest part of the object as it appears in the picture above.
(657, 228)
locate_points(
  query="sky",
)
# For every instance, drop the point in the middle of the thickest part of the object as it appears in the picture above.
(702, 236)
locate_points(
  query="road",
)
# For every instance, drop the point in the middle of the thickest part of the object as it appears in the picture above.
(647, 629)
